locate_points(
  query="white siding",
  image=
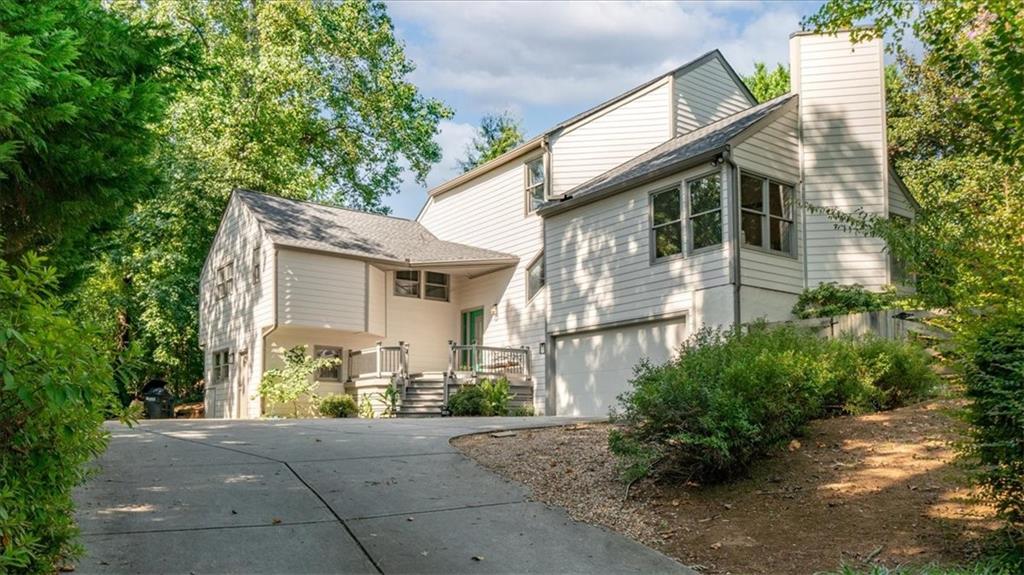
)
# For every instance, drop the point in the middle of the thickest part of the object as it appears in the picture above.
(844, 157)
(233, 322)
(773, 152)
(426, 325)
(377, 302)
(899, 204)
(321, 291)
(599, 263)
(602, 141)
(490, 212)
(706, 94)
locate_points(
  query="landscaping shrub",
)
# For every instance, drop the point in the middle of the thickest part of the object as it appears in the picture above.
(335, 405)
(489, 397)
(730, 397)
(55, 391)
(994, 382)
(832, 299)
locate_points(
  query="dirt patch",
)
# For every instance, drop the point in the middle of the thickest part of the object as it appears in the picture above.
(881, 488)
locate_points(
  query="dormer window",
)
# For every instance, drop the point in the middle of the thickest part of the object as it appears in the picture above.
(536, 188)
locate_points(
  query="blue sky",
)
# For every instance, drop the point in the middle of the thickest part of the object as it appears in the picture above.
(547, 61)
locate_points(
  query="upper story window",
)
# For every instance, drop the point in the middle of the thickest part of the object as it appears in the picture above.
(436, 286)
(536, 188)
(705, 202)
(332, 373)
(221, 371)
(535, 277)
(666, 223)
(257, 261)
(407, 283)
(225, 279)
(766, 214)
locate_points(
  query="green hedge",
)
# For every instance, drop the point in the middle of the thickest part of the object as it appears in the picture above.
(994, 382)
(335, 405)
(485, 398)
(55, 390)
(832, 299)
(728, 398)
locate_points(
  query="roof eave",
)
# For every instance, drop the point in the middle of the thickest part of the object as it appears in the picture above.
(501, 160)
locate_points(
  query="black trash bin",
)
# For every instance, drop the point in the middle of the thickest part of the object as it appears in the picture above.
(158, 401)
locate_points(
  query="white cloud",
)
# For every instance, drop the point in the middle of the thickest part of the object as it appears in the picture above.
(555, 53)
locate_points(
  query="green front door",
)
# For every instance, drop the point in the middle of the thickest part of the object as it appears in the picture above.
(472, 334)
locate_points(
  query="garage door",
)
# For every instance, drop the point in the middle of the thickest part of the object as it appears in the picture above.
(592, 369)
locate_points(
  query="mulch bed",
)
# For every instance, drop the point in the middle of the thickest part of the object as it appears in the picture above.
(880, 488)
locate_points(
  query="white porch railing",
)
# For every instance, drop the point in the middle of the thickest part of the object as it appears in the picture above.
(379, 361)
(485, 360)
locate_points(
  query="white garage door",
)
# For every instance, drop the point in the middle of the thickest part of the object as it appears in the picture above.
(592, 369)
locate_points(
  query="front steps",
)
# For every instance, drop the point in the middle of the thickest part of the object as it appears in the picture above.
(424, 394)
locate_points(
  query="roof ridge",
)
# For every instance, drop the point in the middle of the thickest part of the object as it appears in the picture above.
(320, 204)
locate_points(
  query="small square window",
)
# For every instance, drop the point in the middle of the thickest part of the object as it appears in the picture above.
(436, 286)
(407, 283)
(766, 214)
(221, 370)
(536, 189)
(225, 279)
(332, 373)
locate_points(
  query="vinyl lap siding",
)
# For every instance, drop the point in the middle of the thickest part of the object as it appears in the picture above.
(899, 204)
(843, 117)
(377, 308)
(599, 267)
(316, 290)
(426, 325)
(233, 322)
(706, 94)
(772, 152)
(599, 143)
(490, 212)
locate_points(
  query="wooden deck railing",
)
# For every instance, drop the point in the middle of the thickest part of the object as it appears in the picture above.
(379, 361)
(485, 360)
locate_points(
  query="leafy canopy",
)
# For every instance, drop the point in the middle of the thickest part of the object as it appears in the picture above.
(294, 380)
(497, 134)
(80, 92)
(767, 84)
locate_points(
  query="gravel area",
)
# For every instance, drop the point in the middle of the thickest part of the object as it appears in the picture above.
(879, 488)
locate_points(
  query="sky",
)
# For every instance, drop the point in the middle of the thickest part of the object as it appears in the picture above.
(547, 61)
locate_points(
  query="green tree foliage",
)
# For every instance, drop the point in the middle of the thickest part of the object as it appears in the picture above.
(306, 100)
(80, 92)
(54, 395)
(767, 84)
(294, 380)
(497, 134)
(832, 299)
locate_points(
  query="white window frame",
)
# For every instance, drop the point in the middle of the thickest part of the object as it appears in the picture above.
(408, 282)
(220, 371)
(326, 351)
(532, 187)
(688, 239)
(225, 279)
(537, 263)
(766, 216)
(447, 285)
(257, 264)
(676, 222)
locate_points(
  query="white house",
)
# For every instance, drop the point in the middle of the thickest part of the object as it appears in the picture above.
(609, 238)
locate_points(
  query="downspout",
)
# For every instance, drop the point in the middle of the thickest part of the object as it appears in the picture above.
(273, 328)
(734, 227)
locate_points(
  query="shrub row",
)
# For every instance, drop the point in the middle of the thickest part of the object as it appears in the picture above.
(729, 397)
(832, 299)
(337, 405)
(994, 384)
(486, 398)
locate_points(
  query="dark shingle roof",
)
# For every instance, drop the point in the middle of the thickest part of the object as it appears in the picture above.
(358, 234)
(669, 157)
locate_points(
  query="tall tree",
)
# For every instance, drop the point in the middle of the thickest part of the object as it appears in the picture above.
(80, 92)
(767, 84)
(306, 100)
(497, 134)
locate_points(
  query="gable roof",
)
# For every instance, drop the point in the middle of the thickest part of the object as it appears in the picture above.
(672, 156)
(360, 235)
(536, 142)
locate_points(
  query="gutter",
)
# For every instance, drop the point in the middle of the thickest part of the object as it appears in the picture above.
(272, 329)
(735, 228)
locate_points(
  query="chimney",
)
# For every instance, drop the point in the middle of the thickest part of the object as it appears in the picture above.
(843, 154)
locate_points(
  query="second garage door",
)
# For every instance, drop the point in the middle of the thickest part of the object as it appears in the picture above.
(593, 368)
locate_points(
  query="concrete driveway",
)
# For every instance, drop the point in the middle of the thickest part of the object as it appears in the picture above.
(328, 496)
